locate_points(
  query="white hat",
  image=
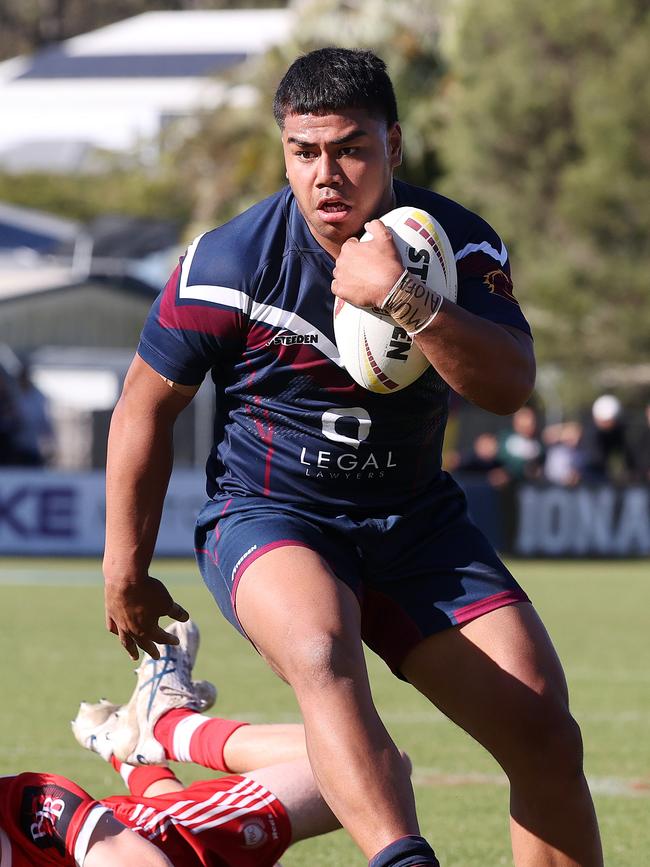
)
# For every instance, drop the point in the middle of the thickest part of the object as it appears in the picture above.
(606, 408)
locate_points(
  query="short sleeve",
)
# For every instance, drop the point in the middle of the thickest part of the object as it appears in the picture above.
(484, 279)
(197, 320)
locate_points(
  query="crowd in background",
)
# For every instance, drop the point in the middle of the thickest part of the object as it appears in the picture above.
(602, 447)
(26, 432)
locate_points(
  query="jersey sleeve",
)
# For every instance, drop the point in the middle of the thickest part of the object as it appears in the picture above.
(484, 280)
(200, 317)
(52, 816)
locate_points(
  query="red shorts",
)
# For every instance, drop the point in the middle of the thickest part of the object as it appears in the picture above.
(45, 819)
(230, 820)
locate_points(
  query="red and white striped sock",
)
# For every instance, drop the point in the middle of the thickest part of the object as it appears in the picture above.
(188, 736)
(138, 779)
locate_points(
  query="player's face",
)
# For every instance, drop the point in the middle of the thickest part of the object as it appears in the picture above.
(340, 167)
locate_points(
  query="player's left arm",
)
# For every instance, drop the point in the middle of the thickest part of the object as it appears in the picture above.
(490, 364)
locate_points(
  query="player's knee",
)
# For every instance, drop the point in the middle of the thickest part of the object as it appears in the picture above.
(552, 746)
(321, 661)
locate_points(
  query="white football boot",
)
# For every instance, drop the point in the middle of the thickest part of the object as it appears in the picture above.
(126, 731)
(95, 724)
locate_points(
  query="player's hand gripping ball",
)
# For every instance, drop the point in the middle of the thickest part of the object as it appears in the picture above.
(376, 352)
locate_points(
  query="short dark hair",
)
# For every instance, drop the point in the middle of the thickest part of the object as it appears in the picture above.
(331, 79)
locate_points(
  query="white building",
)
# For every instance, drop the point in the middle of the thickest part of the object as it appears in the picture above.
(116, 88)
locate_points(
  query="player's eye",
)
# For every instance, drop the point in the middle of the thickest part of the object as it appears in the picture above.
(305, 155)
(348, 151)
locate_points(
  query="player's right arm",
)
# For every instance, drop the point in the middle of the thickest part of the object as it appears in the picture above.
(113, 843)
(139, 463)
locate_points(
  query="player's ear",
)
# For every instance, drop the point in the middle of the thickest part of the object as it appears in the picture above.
(395, 145)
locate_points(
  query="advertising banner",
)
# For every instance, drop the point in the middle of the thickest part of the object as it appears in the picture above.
(48, 513)
(603, 521)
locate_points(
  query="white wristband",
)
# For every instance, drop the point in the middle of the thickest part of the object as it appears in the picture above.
(411, 304)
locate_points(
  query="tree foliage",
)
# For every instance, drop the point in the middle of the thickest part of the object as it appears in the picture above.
(82, 197)
(548, 135)
(536, 115)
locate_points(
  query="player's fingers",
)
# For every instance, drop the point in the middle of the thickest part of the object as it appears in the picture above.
(177, 612)
(349, 243)
(162, 637)
(110, 625)
(378, 230)
(129, 644)
(149, 647)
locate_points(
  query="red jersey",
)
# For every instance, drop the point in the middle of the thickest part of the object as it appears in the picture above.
(228, 822)
(45, 820)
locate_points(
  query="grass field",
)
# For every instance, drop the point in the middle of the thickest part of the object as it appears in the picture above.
(55, 652)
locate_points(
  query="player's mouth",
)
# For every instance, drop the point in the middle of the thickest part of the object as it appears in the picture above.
(333, 210)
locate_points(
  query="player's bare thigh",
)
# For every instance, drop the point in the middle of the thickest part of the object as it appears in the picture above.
(294, 785)
(290, 596)
(495, 675)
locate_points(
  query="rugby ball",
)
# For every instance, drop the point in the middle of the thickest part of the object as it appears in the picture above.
(376, 352)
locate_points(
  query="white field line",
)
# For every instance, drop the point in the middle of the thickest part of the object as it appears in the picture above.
(432, 778)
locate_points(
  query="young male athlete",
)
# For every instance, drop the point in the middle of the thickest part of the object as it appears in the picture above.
(329, 519)
(247, 818)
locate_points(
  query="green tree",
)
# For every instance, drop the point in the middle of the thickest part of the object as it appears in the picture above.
(136, 192)
(548, 135)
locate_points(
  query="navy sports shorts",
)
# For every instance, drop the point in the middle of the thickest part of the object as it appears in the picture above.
(421, 571)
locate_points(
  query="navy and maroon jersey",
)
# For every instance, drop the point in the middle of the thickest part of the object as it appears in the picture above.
(251, 302)
(45, 819)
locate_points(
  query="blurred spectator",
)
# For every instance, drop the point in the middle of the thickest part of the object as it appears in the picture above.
(9, 421)
(481, 462)
(641, 449)
(564, 460)
(608, 454)
(521, 450)
(33, 440)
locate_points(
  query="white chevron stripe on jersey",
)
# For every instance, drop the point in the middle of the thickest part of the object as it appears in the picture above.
(264, 313)
(483, 247)
(187, 262)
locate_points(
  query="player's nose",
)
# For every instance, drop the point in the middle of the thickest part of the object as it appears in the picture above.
(328, 172)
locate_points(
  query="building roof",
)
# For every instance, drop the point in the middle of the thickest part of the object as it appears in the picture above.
(118, 86)
(36, 230)
(40, 251)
